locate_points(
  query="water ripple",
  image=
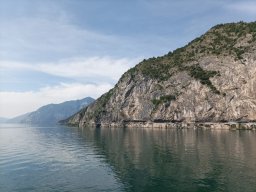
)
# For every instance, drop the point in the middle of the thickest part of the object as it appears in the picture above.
(69, 159)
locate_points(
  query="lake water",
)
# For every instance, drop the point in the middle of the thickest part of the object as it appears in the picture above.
(62, 159)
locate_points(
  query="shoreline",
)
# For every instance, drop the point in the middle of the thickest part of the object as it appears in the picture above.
(176, 125)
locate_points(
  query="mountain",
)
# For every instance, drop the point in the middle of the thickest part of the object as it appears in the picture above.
(3, 119)
(211, 79)
(52, 113)
(19, 118)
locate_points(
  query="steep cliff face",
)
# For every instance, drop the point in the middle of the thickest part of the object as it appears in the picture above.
(212, 79)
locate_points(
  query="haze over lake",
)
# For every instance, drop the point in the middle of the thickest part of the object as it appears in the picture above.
(71, 159)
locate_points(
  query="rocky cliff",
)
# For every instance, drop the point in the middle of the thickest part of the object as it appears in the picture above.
(212, 79)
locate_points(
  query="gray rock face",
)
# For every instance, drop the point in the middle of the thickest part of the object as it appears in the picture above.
(212, 79)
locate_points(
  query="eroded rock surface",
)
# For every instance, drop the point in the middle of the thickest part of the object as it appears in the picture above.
(212, 79)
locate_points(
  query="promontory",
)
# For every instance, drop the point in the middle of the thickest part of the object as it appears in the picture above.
(210, 80)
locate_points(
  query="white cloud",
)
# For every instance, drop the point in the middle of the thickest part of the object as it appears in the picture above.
(95, 68)
(17, 103)
(101, 72)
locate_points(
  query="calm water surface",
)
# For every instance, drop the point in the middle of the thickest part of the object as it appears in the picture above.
(59, 159)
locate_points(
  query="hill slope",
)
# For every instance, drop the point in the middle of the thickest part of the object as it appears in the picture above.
(52, 113)
(212, 79)
(3, 119)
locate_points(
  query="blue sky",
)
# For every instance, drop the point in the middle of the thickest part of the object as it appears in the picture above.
(57, 50)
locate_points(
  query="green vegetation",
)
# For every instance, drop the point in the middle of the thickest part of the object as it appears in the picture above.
(101, 104)
(132, 72)
(203, 76)
(156, 71)
(221, 40)
(163, 99)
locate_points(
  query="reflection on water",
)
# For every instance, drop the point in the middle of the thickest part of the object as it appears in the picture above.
(179, 160)
(72, 159)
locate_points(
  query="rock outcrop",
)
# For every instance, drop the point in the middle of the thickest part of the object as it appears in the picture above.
(212, 79)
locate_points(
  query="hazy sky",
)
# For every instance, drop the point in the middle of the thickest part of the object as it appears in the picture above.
(57, 50)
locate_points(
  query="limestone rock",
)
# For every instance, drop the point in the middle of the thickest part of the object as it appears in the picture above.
(212, 79)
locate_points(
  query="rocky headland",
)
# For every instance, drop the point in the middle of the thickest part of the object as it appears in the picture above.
(210, 82)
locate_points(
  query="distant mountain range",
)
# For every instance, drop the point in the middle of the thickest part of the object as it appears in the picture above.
(3, 120)
(52, 113)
